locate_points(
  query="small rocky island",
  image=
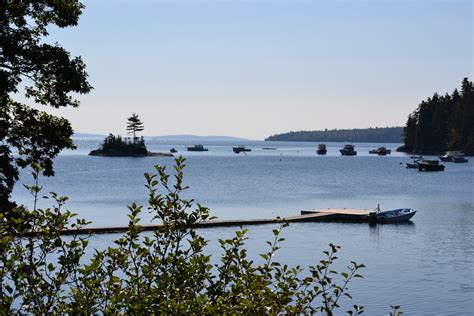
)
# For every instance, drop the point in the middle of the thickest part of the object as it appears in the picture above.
(116, 146)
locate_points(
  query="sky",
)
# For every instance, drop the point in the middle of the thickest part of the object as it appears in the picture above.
(255, 68)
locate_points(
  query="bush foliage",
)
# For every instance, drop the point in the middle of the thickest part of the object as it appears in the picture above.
(166, 272)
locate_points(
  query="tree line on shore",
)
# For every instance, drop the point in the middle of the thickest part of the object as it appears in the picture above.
(441, 123)
(362, 135)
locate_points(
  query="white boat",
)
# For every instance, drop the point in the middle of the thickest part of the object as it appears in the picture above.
(453, 156)
(393, 216)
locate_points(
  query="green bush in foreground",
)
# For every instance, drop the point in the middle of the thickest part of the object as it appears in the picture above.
(165, 273)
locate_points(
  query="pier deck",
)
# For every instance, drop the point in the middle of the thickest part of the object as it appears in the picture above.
(322, 215)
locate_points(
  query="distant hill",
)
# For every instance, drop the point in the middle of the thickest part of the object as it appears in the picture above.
(363, 135)
(196, 138)
(86, 135)
(170, 137)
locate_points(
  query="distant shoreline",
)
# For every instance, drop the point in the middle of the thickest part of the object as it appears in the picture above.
(194, 138)
(362, 135)
(101, 153)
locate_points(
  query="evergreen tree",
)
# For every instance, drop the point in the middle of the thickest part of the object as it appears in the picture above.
(442, 123)
(134, 125)
(44, 72)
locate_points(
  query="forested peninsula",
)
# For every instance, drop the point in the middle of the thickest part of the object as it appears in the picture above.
(441, 123)
(363, 135)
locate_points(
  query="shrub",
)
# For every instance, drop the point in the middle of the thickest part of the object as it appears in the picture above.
(166, 272)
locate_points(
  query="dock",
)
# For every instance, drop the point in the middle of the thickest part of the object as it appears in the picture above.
(341, 214)
(316, 215)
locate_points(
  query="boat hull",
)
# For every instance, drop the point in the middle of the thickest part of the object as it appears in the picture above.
(395, 216)
(446, 159)
(321, 151)
(197, 149)
(240, 150)
(348, 152)
(429, 167)
(382, 151)
(460, 160)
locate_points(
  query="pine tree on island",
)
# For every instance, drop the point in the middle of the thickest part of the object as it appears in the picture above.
(134, 125)
(116, 146)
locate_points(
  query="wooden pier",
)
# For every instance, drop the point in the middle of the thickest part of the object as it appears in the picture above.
(321, 215)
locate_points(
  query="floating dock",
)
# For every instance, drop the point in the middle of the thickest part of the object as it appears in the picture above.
(317, 215)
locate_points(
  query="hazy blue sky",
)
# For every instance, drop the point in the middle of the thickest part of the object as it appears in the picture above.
(254, 68)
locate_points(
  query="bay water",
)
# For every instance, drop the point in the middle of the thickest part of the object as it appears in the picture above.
(426, 266)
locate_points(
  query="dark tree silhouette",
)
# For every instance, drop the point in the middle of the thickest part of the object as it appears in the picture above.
(442, 123)
(45, 73)
(134, 125)
(123, 147)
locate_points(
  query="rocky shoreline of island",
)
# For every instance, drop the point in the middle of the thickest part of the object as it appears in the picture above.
(101, 153)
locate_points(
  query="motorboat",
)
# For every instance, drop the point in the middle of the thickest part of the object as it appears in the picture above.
(446, 158)
(197, 148)
(453, 156)
(173, 150)
(430, 165)
(381, 151)
(321, 149)
(240, 149)
(392, 216)
(460, 159)
(348, 150)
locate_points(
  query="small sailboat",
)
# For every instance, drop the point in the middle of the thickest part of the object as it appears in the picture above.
(416, 158)
(413, 165)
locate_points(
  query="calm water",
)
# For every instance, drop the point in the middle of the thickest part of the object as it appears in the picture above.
(425, 266)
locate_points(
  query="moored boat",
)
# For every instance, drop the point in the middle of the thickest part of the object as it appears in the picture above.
(173, 150)
(460, 159)
(321, 149)
(381, 151)
(393, 216)
(197, 148)
(453, 156)
(240, 149)
(430, 165)
(348, 150)
(446, 158)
